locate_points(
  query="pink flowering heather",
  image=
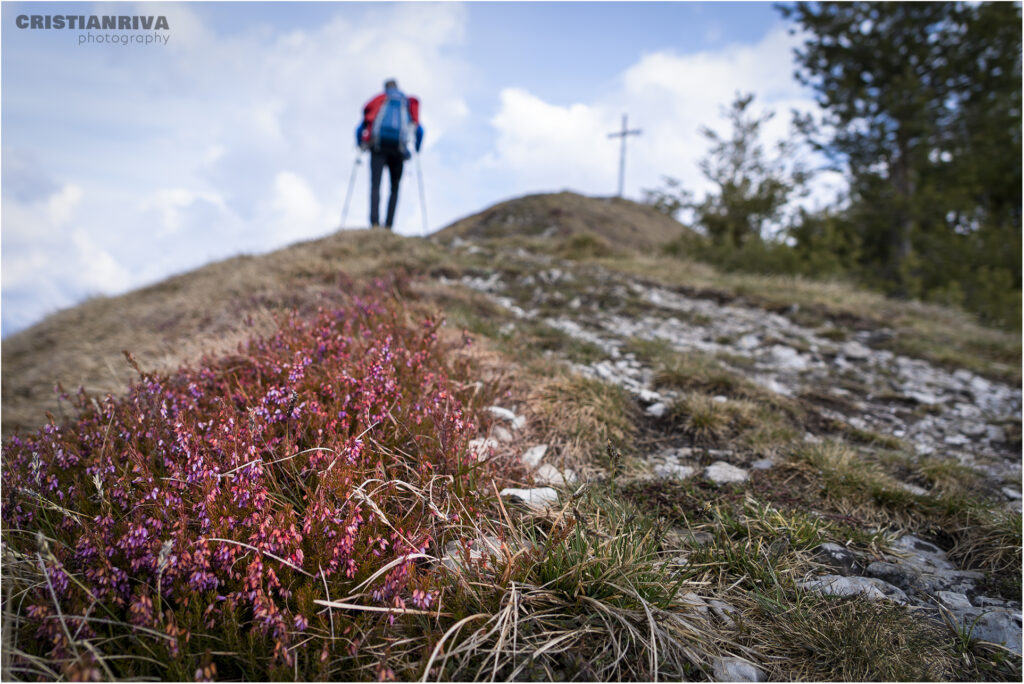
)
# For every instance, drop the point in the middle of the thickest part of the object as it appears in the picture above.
(205, 512)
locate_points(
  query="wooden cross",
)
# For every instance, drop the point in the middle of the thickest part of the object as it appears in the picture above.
(622, 156)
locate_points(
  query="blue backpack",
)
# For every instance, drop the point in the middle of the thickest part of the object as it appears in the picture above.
(391, 126)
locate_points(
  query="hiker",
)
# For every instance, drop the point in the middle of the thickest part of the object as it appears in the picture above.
(386, 129)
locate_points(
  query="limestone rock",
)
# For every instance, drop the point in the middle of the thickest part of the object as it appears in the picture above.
(693, 603)
(532, 456)
(914, 489)
(954, 601)
(748, 342)
(478, 548)
(516, 422)
(482, 449)
(550, 475)
(721, 472)
(501, 434)
(538, 497)
(855, 351)
(922, 553)
(787, 358)
(657, 410)
(674, 471)
(502, 413)
(837, 557)
(868, 587)
(732, 669)
(900, 575)
(999, 627)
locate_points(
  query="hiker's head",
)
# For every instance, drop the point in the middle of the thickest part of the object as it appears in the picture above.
(390, 84)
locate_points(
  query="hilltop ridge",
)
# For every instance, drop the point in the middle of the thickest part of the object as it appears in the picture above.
(620, 222)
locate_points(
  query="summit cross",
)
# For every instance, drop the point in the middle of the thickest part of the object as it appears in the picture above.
(622, 155)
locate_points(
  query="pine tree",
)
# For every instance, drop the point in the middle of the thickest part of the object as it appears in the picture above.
(921, 109)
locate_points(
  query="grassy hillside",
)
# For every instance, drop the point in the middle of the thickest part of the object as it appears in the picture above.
(215, 307)
(318, 497)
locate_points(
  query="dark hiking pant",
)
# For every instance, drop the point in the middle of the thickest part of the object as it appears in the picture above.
(394, 161)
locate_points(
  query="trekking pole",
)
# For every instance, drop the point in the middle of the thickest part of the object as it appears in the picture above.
(423, 197)
(351, 182)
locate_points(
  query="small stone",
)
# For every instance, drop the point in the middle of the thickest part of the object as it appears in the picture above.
(963, 375)
(501, 434)
(648, 396)
(788, 358)
(901, 576)
(487, 545)
(763, 464)
(922, 553)
(732, 669)
(955, 601)
(502, 413)
(855, 351)
(748, 342)
(980, 386)
(868, 587)
(913, 488)
(532, 456)
(694, 602)
(481, 449)
(674, 471)
(957, 440)
(721, 472)
(922, 397)
(550, 475)
(720, 399)
(657, 410)
(1011, 493)
(519, 423)
(837, 557)
(986, 602)
(968, 411)
(998, 627)
(538, 497)
(994, 433)
(973, 429)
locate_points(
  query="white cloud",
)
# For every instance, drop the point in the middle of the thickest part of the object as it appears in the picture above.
(56, 264)
(61, 206)
(170, 203)
(295, 209)
(550, 146)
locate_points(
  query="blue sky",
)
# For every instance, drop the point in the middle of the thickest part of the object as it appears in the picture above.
(123, 164)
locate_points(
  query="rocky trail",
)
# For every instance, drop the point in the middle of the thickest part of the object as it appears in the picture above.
(848, 382)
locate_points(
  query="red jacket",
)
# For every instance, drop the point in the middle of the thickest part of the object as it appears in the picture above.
(373, 107)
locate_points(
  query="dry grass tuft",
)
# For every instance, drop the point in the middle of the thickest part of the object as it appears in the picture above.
(583, 416)
(850, 640)
(584, 593)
